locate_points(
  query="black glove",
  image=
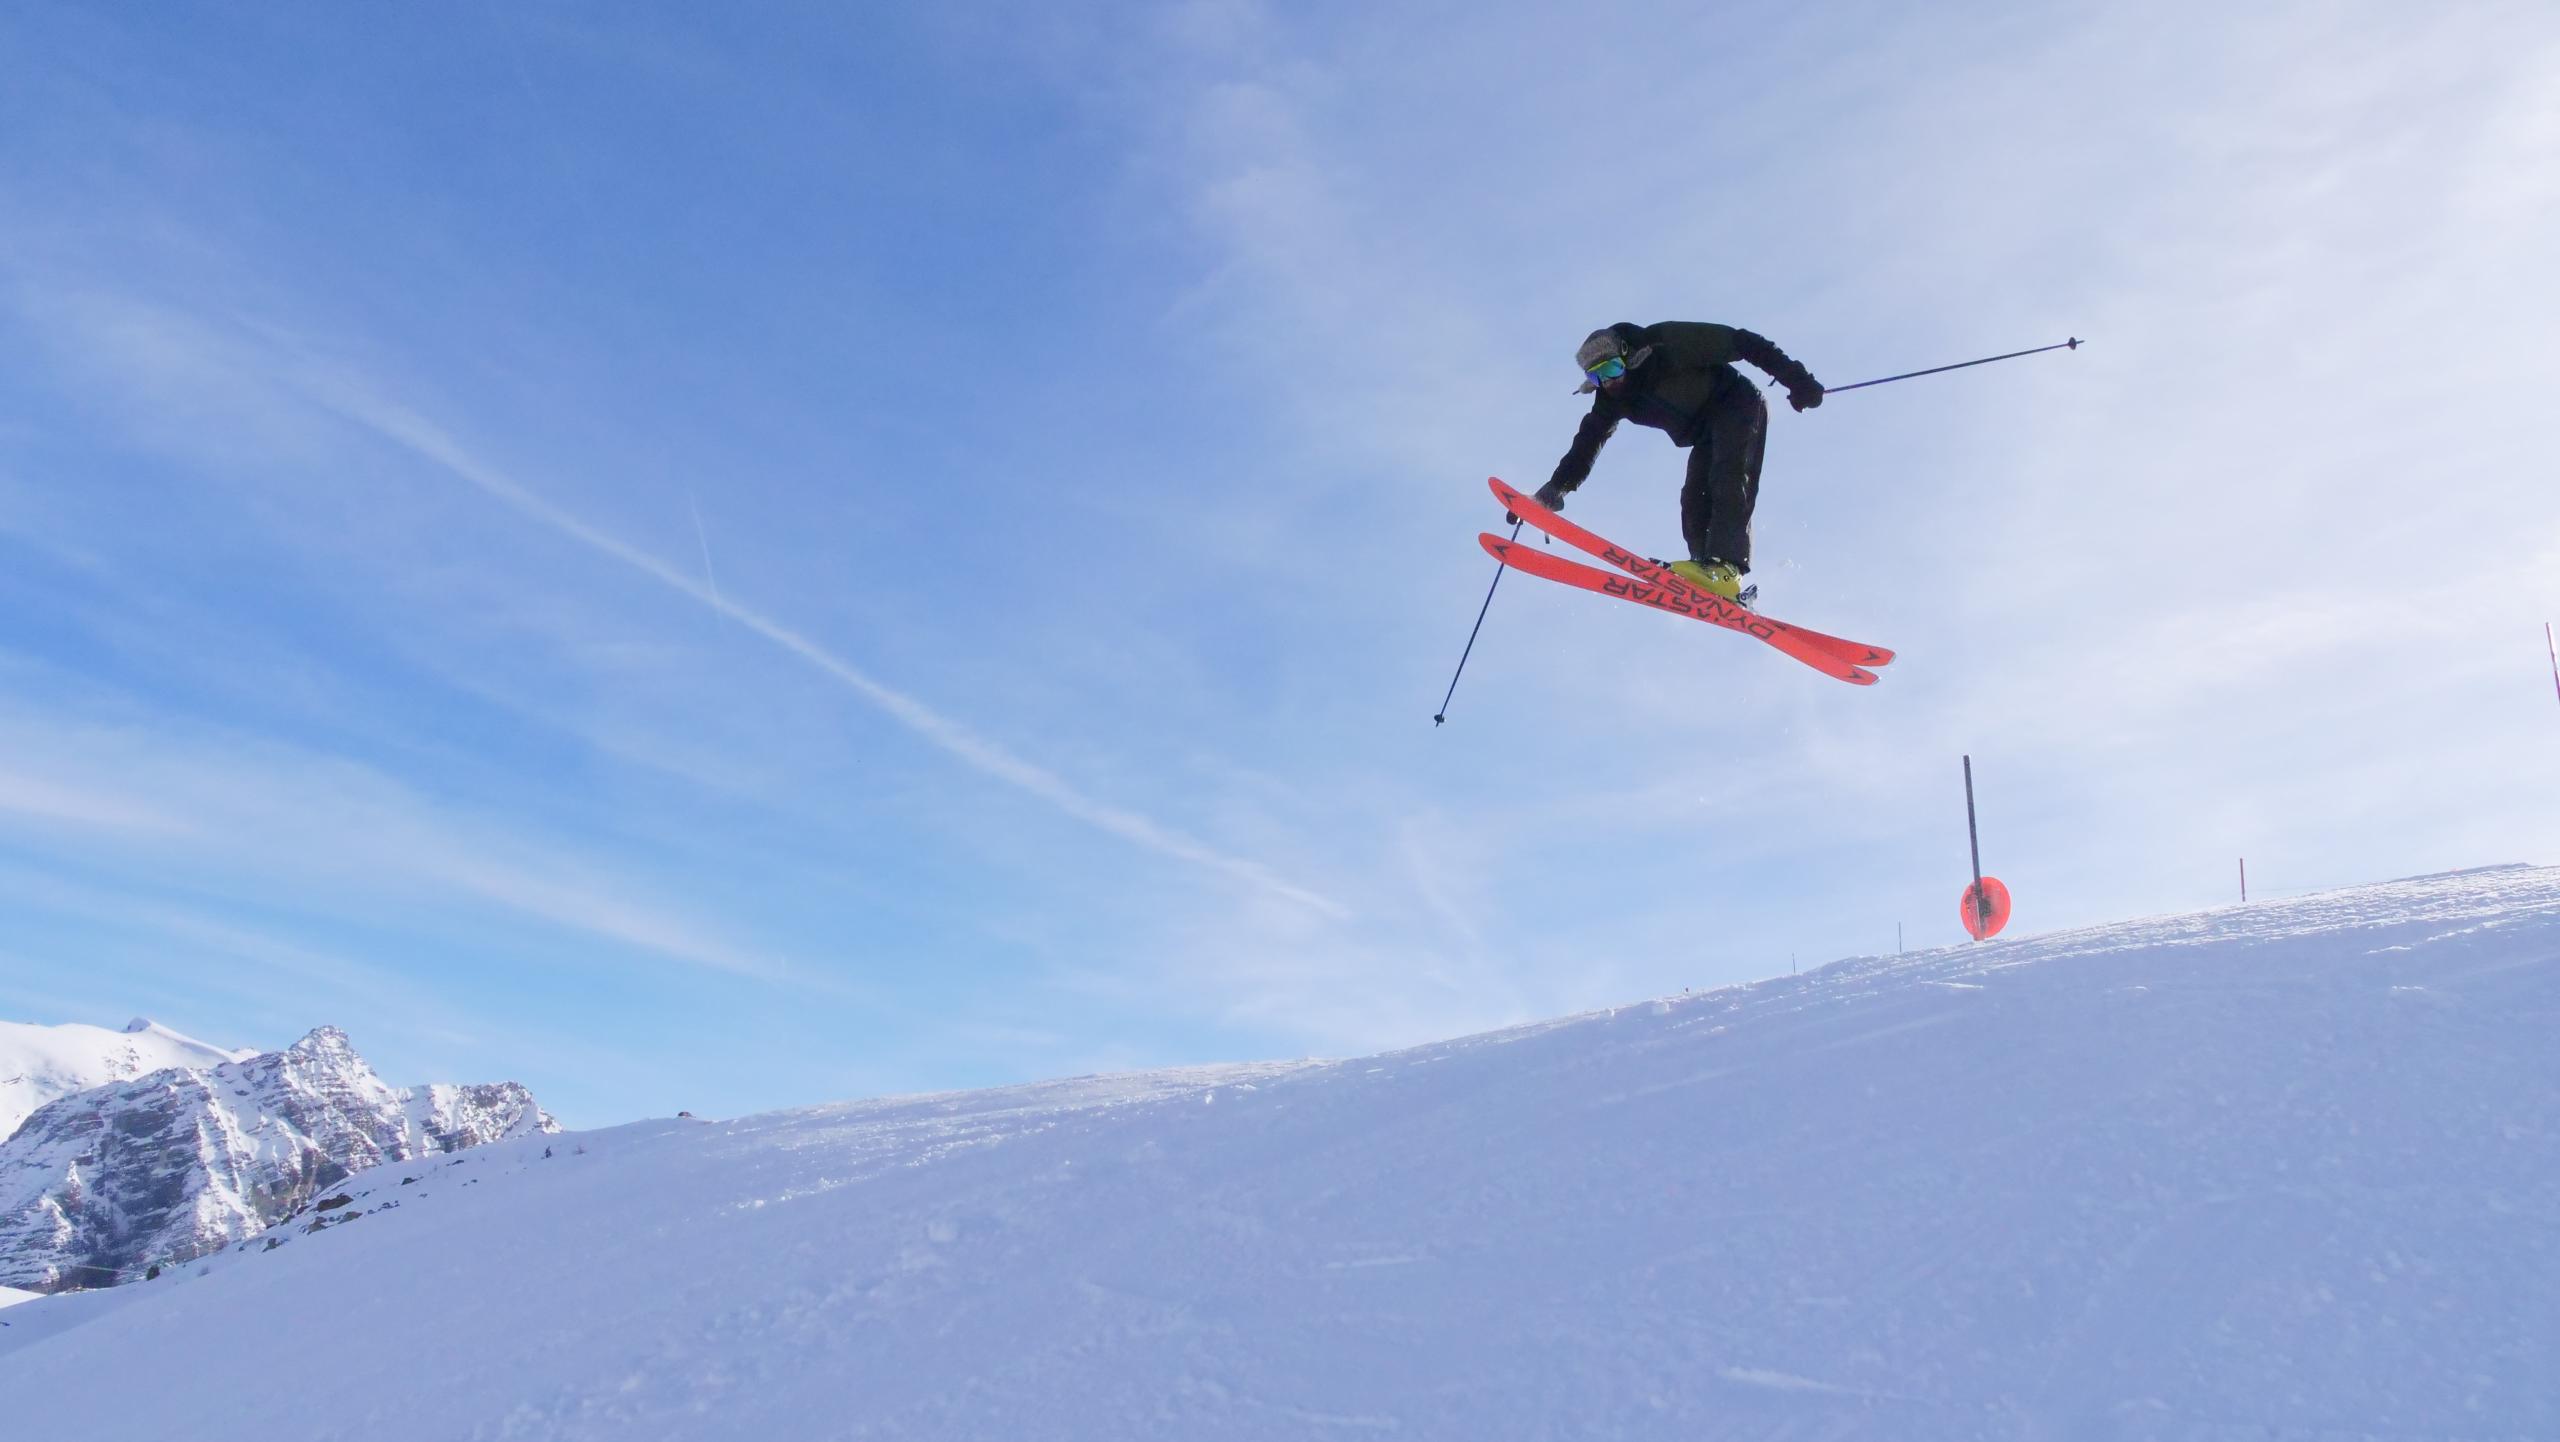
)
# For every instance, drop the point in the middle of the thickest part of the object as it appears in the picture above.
(1803, 391)
(1551, 495)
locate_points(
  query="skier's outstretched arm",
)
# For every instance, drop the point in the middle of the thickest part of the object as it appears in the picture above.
(1803, 391)
(1575, 468)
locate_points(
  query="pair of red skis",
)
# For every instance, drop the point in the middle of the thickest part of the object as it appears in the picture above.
(1648, 584)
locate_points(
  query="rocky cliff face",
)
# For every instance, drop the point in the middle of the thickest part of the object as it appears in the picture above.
(99, 1185)
(447, 1118)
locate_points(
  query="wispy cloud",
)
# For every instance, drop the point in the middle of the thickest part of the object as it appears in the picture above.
(307, 826)
(46, 800)
(195, 368)
(413, 432)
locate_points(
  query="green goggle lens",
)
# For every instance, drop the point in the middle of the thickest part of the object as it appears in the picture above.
(1608, 370)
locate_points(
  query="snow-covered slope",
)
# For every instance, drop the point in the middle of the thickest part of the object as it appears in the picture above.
(99, 1185)
(39, 1063)
(2276, 1172)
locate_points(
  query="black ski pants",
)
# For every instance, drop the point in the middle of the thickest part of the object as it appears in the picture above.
(1724, 478)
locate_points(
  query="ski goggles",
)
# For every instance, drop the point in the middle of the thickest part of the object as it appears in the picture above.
(1608, 370)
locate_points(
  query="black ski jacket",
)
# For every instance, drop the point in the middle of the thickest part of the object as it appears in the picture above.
(1677, 371)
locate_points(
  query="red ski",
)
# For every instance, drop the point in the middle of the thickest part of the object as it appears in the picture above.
(1664, 590)
(1679, 600)
(1528, 509)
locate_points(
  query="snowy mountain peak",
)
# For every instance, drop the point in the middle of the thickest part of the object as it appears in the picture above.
(40, 1063)
(327, 1043)
(97, 1184)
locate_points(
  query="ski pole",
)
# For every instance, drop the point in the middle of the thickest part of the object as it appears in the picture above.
(1498, 568)
(2071, 344)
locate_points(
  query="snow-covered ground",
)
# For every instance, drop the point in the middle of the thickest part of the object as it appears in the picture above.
(2284, 1171)
(39, 1063)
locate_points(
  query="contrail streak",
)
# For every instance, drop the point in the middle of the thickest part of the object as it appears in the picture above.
(421, 436)
(704, 537)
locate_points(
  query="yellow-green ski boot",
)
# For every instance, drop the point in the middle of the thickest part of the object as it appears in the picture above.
(1716, 578)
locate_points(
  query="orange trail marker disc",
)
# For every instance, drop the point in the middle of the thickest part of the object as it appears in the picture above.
(1986, 908)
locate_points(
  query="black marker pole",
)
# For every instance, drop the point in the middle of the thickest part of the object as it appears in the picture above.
(1981, 903)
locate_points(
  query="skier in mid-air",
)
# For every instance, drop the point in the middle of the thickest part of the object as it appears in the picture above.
(1678, 377)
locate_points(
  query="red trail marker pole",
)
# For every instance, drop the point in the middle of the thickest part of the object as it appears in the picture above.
(1986, 902)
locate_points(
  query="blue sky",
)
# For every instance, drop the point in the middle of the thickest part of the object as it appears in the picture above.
(722, 559)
